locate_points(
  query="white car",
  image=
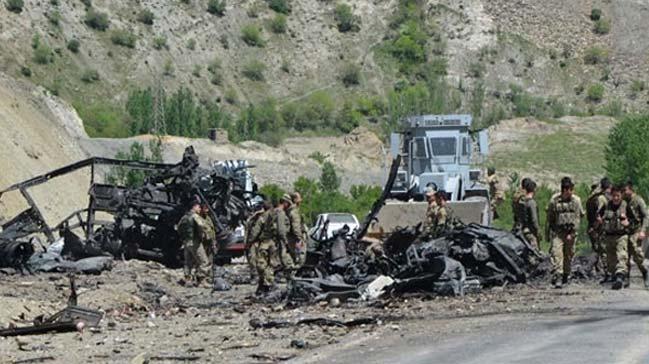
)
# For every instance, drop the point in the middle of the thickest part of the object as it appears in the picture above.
(328, 224)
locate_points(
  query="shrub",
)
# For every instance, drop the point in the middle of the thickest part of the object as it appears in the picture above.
(54, 2)
(230, 96)
(251, 35)
(160, 42)
(196, 72)
(278, 24)
(146, 16)
(215, 69)
(225, 43)
(124, 38)
(638, 86)
(602, 26)
(168, 68)
(191, 44)
(54, 18)
(43, 54)
(595, 55)
(96, 20)
(87, 3)
(90, 76)
(214, 66)
(216, 7)
(476, 69)
(595, 14)
(73, 45)
(280, 6)
(26, 71)
(254, 70)
(345, 19)
(15, 6)
(595, 92)
(351, 75)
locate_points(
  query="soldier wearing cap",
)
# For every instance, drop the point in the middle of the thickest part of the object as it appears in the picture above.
(191, 229)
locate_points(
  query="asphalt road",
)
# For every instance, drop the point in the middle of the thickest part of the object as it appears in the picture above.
(615, 330)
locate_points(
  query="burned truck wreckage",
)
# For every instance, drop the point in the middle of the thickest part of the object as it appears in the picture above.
(350, 265)
(142, 218)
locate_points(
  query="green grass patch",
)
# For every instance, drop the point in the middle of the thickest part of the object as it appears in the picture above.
(565, 152)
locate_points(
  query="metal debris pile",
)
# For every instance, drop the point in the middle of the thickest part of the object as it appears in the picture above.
(142, 219)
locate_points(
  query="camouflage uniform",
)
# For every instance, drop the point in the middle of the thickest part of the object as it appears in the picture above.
(638, 222)
(191, 229)
(494, 192)
(441, 220)
(281, 240)
(252, 238)
(209, 239)
(563, 217)
(528, 220)
(596, 202)
(516, 208)
(265, 258)
(429, 222)
(296, 236)
(615, 237)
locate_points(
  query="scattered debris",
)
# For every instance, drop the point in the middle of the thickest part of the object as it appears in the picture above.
(319, 321)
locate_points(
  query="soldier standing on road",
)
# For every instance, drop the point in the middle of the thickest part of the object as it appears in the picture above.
(638, 224)
(265, 258)
(529, 215)
(615, 224)
(297, 233)
(495, 193)
(564, 213)
(431, 211)
(209, 234)
(252, 236)
(282, 236)
(518, 194)
(191, 231)
(596, 201)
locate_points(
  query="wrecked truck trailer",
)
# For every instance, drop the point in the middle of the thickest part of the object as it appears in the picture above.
(141, 219)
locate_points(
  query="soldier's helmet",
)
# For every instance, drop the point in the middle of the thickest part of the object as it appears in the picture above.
(491, 171)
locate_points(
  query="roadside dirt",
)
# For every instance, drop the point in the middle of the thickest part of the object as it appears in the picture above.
(147, 314)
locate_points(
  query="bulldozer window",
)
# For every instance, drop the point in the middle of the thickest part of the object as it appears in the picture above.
(419, 148)
(443, 146)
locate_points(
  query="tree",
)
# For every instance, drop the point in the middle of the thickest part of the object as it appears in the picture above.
(96, 20)
(216, 7)
(345, 19)
(128, 177)
(627, 153)
(15, 6)
(329, 180)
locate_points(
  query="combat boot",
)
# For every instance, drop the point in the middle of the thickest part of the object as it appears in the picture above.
(557, 282)
(606, 279)
(619, 281)
(627, 280)
(565, 278)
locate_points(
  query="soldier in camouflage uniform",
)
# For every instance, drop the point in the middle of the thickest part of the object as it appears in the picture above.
(518, 194)
(431, 211)
(297, 233)
(443, 217)
(282, 236)
(191, 229)
(209, 234)
(638, 224)
(252, 237)
(564, 213)
(495, 192)
(596, 201)
(528, 215)
(614, 222)
(263, 230)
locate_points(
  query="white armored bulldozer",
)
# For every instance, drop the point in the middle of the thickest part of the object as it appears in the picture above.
(437, 150)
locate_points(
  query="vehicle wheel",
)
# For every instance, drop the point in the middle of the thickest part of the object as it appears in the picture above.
(222, 260)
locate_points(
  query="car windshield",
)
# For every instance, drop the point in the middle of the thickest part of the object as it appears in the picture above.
(341, 219)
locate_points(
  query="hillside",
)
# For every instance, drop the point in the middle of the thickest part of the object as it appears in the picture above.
(495, 59)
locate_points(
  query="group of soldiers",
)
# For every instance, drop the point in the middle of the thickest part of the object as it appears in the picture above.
(617, 224)
(275, 241)
(438, 215)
